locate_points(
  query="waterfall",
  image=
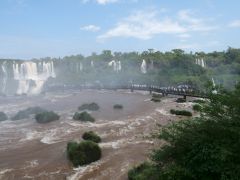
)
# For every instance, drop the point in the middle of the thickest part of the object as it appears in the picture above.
(81, 66)
(117, 66)
(4, 79)
(213, 82)
(92, 64)
(144, 67)
(28, 72)
(200, 62)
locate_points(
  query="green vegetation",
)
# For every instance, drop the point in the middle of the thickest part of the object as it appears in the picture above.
(180, 112)
(46, 116)
(3, 116)
(197, 107)
(142, 172)
(156, 97)
(83, 116)
(83, 153)
(202, 148)
(181, 100)
(118, 106)
(24, 114)
(91, 136)
(199, 101)
(91, 107)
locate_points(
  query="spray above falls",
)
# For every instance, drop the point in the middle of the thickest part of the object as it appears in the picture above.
(31, 76)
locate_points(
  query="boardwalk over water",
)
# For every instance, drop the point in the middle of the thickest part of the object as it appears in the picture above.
(183, 90)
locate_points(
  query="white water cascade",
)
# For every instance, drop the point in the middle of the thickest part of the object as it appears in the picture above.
(28, 72)
(213, 82)
(92, 64)
(117, 66)
(79, 67)
(200, 62)
(4, 79)
(144, 67)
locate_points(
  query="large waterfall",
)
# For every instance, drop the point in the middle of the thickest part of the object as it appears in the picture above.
(31, 76)
(144, 67)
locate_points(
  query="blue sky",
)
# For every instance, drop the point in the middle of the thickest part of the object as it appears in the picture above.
(40, 28)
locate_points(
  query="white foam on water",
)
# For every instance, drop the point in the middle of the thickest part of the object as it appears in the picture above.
(163, 112)
(51, 137)
(31, 135)
(4, 171)
(80, 171)
(31, 164)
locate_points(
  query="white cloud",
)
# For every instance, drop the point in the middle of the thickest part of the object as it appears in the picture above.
(235, 23)
(91, 28)
(102, 2)
(106, 1)
(184, 36)
(143, 25)
(188, 18)
(146, 24)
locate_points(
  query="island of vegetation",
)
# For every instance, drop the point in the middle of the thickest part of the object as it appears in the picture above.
(118, 106)
(83, 153)
(24, 114)
(91, 107)
(91, 136)
(181, 112)
(3, 116)
(83, 116)
(46, 116)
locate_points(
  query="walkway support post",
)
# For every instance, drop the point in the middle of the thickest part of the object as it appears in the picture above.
(185, 97)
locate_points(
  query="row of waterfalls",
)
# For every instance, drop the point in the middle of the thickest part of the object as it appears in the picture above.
(29, 77)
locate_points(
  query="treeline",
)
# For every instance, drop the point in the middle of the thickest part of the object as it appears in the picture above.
(163, 68)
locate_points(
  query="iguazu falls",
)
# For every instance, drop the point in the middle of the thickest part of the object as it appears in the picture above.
(119, 90)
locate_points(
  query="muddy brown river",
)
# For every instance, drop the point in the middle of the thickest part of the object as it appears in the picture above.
(29, 150)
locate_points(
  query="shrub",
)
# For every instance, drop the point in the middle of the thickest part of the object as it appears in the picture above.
(3, 116)
(181, 100)
(91, 107)
(118, 106)
(83, 153)
(91, 136)
(24, 114)
(83, 116)
(180, 112)
(46, 116)
(197, 107)
(142, 172)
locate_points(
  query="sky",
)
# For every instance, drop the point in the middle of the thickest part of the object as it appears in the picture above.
(57, 28)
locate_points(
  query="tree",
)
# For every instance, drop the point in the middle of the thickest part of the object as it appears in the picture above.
(201, 148)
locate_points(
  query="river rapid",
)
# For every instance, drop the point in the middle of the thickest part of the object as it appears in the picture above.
(29, 150)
